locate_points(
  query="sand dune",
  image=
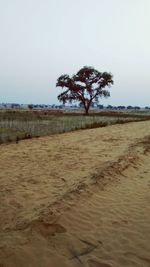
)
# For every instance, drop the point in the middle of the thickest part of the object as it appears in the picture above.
(77, 199)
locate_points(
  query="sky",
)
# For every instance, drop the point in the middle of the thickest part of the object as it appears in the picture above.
(43, 39)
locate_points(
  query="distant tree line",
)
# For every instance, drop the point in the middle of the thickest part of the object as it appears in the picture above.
(71, 106)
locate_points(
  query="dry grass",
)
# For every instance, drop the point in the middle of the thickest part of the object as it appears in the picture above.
(16, 125)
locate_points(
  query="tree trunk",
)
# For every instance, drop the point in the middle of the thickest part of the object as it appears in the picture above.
(86, 107)
(86, 111)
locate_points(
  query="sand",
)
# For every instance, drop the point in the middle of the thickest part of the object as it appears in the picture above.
(77, 199)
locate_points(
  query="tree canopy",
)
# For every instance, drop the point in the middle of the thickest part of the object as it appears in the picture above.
(86, 87)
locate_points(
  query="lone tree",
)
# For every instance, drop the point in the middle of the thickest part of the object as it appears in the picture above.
(86, 87)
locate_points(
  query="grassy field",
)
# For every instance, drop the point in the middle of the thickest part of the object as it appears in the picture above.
(22, 124)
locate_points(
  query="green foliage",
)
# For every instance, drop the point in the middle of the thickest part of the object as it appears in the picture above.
(86, 87)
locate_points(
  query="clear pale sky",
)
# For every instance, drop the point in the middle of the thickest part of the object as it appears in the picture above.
(42, 39)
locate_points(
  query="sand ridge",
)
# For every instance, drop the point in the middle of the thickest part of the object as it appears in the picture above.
(55, 209)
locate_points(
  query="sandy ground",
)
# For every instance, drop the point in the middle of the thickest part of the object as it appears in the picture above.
(77, 199)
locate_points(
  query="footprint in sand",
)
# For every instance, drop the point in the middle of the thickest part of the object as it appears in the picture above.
(95, 263)
(47, 229)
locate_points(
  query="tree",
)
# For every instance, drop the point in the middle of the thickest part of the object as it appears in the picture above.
(130, 107)
(30, 106)
(86, 87)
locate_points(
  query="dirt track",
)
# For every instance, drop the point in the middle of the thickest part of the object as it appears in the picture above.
(77, 199)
